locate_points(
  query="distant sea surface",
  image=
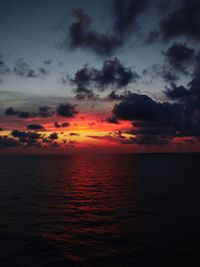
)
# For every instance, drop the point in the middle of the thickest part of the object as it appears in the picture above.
(100, 210)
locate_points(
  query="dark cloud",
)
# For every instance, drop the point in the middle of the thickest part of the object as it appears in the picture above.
(83, 93)
(4, 69)
(21, 114)
(73, 134)
(11, 112)
(82, 34)
(53, 136)
(44, 111)
(26, 135)
(179, 60)
(112, 119)
(126, 13)
(56, 125)
(148, 139)
(23, 69)
(142, 107)
(47, 62)
(26, 138)
(61, 125)
(159, 122)
(112, 74)
(177, 92)
(180, 57)
(189, 98)
(25, 114)
(106, 137)
(153, 122)
(6, 142)
(168, 75)
(36, 127)
(66, 110)
(153, 36)
(65, 124)
(64, 80)
(183, 21)
(113, 96)
(43, 71)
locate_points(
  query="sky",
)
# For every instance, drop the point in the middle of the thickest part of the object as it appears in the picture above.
(105, 76)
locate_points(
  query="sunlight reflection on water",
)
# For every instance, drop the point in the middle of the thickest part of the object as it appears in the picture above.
(99, 210)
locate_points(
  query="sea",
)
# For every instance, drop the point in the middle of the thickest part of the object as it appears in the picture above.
(96, 210)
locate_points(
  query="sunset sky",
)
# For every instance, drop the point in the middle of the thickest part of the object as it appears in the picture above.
(99, 76)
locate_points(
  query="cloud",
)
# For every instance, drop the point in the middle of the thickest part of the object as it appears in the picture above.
(43, 71)
(159, 122)
(11, 112)
(73, 134)
(113, 96)
(26, 138)
(47, 62)
(4, 69)
(43, 111)
(66, 110)
(62, 125)
(153, 122)
(189, 98)
(152, 37)
(6, 142)
(112, 74)
(83, 93)
(148, 139)
(141, 107)
(53, 136)
(183, 21)
(23, 69)
(36, 127)
(126, 14)
(112, 119)
(82, 34)
(23, 134)
(177, 92)
(29, 139)
(180, 60)
(106, 138)
(180, 57)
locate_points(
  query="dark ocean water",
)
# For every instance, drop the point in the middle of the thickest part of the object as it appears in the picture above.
(100, 210)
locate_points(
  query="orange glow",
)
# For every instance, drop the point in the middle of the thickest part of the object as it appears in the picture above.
(88, 133)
